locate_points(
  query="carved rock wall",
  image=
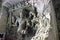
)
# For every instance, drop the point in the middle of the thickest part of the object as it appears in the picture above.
(47, 29)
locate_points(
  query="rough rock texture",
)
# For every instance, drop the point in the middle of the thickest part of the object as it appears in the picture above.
(46, 16)
(46, 28)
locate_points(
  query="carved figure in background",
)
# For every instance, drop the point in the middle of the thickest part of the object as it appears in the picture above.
(23, 22)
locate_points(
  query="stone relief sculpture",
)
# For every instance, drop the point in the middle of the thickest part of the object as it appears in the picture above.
(28, 19)
(24, 24)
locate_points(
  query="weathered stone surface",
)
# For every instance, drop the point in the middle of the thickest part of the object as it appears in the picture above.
(46, 28)
(47, 21)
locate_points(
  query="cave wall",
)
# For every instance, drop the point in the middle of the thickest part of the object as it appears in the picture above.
(56, 4)
(45, 9)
